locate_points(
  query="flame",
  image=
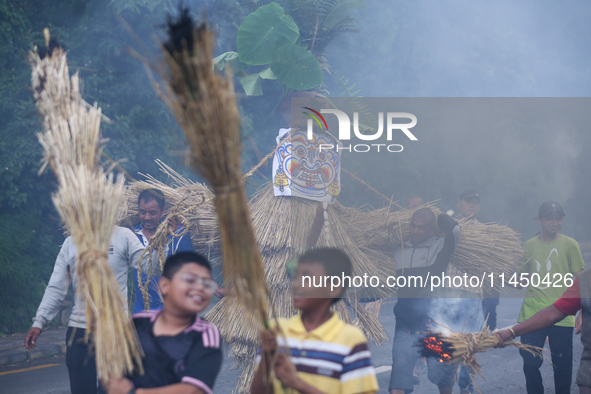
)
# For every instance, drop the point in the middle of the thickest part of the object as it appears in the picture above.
(435, 344)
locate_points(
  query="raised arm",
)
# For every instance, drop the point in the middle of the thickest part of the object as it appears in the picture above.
(544, 318)
(568, 304)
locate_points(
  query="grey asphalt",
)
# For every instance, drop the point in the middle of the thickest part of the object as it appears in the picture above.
(502, 368)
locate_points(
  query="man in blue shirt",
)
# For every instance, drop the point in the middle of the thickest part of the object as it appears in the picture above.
(151, 207)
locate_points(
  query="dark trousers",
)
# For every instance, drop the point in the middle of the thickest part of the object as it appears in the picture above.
(489, 309)
(80, 362)
(561, 346)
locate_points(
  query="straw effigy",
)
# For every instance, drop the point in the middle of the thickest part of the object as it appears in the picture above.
(87, 201)
(280, 238)
(483, 248)
(205, 107)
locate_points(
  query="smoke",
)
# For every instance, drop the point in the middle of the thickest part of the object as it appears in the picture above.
(456, 315)
(457, 48)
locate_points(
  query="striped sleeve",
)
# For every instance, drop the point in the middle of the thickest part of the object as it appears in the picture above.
(358, 374)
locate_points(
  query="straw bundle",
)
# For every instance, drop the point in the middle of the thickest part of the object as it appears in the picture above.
(189, 204)
(462, 347)
(87, 201)
(490, 248)
(282, 226)
(195, 208)
(204, 104)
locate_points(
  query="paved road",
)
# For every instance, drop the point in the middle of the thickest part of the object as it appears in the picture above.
(43, 376)
(502, 367)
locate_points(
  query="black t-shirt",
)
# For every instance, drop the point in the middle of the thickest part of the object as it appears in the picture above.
(194, 356)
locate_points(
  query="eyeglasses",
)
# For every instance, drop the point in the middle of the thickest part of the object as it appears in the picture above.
(208, 284)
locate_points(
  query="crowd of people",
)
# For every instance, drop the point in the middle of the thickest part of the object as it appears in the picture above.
(315, 351)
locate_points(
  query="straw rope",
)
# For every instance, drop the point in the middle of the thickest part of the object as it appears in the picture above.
(87, 200)
(490, 248)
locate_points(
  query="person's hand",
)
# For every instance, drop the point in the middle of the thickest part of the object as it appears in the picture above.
(119, 386)
(445, 222)
(579, 323)
(31, 338)
(286, 372)
(268, 340)
(221, 292)
(503, 336)
(172, 223)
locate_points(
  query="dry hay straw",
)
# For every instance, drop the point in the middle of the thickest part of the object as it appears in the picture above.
(282, 225)
(487, 248)
(483, 247)
(204, 104)
(462, 348)
(87, 201)
(192, 202)
(189, 204)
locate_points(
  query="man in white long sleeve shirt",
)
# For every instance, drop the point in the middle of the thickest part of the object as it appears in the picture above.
(124, 254)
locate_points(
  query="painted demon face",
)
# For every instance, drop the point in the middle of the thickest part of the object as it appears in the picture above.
(310, 169)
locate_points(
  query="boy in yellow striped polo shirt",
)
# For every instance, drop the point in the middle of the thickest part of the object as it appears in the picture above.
(315, 351)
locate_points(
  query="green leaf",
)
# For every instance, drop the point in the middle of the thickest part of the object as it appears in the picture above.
(267, 74)
(252, 85)
(230, 58)
(264, 31)
(297, 68)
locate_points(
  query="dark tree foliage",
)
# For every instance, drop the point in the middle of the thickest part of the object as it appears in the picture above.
(140, 129)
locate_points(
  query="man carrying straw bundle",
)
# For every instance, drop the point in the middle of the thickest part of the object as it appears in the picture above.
(124, 254)
(424, 253)
(152, 210)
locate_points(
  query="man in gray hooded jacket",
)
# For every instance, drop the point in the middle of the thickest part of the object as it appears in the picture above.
(125, 252)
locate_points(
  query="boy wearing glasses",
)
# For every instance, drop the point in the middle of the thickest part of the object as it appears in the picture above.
(316, 352)
(182, 352)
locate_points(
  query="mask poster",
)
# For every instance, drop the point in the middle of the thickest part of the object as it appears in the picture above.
(307, 169)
